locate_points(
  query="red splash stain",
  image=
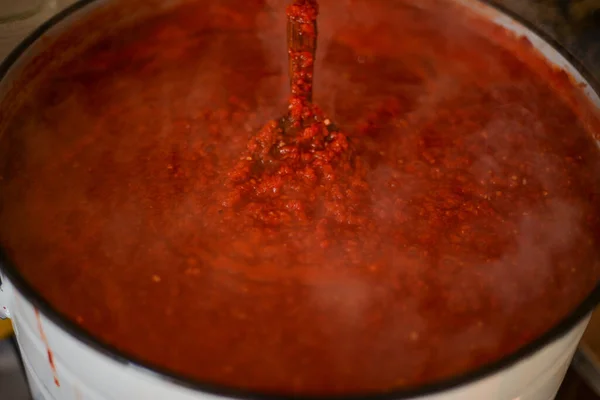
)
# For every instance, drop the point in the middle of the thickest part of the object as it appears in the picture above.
(45, 340)
(51, 359)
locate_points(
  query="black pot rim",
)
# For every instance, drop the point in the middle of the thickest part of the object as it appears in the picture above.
(71, 328)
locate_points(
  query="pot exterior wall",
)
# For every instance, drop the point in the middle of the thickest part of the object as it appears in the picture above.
(60, 367)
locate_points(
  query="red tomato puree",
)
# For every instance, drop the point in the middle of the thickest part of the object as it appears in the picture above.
(452, 222)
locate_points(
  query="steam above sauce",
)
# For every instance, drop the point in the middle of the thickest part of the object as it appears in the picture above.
(451, 223)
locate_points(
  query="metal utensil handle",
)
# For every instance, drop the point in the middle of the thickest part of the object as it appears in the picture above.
(302, 39)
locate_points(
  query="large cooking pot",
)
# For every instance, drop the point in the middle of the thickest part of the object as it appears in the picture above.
(64, 362)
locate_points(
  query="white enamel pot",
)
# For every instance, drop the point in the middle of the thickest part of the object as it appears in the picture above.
(63, 362)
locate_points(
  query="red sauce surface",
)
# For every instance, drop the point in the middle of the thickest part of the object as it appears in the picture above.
(455, 220)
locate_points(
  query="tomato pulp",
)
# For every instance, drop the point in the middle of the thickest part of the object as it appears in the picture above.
(453, 221)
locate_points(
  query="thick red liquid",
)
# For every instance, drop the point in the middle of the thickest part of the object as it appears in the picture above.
(459, 223)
